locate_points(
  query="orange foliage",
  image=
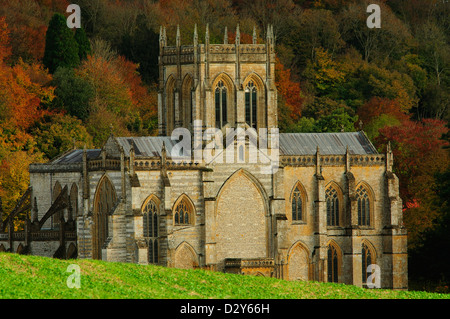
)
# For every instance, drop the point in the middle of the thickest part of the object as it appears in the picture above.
(23, 95)
(289, 89)
(145, 103)
(5, 49)
(23, 88)
(244, 37)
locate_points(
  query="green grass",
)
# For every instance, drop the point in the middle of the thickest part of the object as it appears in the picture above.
(41, 277)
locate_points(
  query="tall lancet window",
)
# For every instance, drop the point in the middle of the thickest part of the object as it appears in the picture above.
(332, 200)
(221, 104)
(297, 209)
(250, 105)
(150, 227)
(363, 206)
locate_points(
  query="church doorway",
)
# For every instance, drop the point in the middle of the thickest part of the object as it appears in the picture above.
(298, 263)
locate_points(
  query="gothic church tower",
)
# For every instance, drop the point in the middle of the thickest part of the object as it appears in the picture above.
(225, 85)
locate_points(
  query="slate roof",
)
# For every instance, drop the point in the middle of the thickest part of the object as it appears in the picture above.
(290, 144)
(76, 156)
(329, 143)
(146, 146)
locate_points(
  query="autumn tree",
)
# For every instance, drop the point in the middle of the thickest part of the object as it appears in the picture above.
(119, 98)
(5, 47)
(290, 95)
(380, 112)
(22, 96)
(426, 275)
(61, 49)
(58, 133)
(324, 72)
(391, 84)
(418, 155)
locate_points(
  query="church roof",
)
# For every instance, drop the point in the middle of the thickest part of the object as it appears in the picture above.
(328, 143)
(290, 144)
(146, 146)
(76, 156)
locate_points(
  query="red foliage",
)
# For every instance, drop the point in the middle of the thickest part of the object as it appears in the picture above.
(418, 152)
(244, 37)
(377, 106)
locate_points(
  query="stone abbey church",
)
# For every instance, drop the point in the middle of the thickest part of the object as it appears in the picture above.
(330, 210)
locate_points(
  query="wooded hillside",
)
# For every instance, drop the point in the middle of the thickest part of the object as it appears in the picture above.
(61, 88)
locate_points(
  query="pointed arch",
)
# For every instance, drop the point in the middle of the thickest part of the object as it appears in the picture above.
(150, 219)
(298, 200)
(253, 76)
(334, 262)
(105, 199)
(73, 199)
(185, 256)
(365, 202)
(54, 219)
(252, 179)
(299, 260)
(183, 211)
(368, 257)
(150, 212)
(170, 91)
(242, 218)
(334, 200)
(20, 249)
(255, 101)
(72, 252)
(224, 91)
(226, 78)
(186, 109)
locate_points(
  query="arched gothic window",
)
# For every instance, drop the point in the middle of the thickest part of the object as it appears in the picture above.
(73, 201)
(105, 199)
(54, 219)
(221, 104)
(187, 98)
(151, 233)
(332, 268)
(368, 258)
(171, 94)
(297, 205)
(183, 213)
(332, 200)
(250, 104)
(363, 206)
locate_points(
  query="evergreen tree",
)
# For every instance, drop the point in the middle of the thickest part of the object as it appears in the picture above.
(61, 49)
(84, 46)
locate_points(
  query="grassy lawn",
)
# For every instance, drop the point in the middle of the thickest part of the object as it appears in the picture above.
(41, 277)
